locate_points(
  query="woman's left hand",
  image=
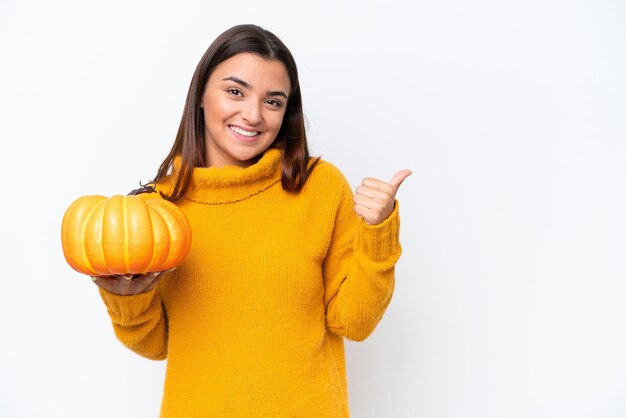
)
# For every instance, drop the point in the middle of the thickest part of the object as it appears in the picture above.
(374, 199)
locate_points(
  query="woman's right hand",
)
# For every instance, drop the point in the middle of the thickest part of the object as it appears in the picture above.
(130, 284)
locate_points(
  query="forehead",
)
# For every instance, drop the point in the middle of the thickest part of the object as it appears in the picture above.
(255, 70)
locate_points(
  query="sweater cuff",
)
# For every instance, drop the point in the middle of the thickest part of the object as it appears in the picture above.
(127, 309)
(380, 242)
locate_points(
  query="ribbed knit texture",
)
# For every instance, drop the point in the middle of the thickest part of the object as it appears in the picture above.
(252, 323)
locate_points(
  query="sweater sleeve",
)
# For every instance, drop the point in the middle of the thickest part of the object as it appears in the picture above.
(359, 270)
(139, 322)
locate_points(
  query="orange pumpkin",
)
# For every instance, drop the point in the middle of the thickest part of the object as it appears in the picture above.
(124, 235)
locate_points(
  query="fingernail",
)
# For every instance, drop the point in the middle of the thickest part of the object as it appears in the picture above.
(93, 278)
(128, 277)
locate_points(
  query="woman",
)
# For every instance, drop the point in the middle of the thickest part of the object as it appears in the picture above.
(285, 261)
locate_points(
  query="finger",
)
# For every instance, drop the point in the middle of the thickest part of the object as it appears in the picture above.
(148, 280)
(369, 216)
(158, 275)
(102, 280)
(363, 212)
(106, 282)
(371, 193)
(156, 278)
(166, 272)
(399, 177)
(128, 276)
(366, 202)
(378, 185)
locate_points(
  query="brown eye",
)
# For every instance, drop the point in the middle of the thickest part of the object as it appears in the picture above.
(273, 102)
(234, 92)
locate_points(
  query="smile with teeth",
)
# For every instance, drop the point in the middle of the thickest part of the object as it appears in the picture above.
(243, 132)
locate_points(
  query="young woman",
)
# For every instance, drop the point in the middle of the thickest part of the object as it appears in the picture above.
(285, 260)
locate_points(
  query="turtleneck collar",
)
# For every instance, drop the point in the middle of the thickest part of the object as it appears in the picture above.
(217, 185)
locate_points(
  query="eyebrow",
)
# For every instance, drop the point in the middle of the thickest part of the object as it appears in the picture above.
(248, 86)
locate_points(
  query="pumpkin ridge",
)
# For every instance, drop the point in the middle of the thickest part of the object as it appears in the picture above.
(96, 207)
(83, 228)
(175, 212)
(169, 232)
(172, 247)
(125, 218)
(154, 238)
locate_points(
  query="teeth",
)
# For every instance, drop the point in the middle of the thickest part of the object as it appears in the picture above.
(243, 132)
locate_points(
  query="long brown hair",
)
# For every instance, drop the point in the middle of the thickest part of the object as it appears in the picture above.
(291, 138)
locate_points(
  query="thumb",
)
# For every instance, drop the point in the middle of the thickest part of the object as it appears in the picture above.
(399, 177)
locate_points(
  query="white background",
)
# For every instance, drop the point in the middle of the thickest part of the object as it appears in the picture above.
(510, 294)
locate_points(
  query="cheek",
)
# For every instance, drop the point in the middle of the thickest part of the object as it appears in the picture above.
(220, 110)
(275, 120)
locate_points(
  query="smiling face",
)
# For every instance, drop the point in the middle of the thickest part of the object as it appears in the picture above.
(243, 104)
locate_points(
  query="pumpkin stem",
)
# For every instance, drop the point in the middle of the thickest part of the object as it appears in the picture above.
(149, 187)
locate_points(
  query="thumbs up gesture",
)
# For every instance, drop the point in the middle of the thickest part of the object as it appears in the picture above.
(374, 199)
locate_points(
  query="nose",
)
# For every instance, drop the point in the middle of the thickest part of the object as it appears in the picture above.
(251, 112)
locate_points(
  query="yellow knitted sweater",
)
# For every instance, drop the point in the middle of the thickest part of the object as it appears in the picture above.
(252, 323)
